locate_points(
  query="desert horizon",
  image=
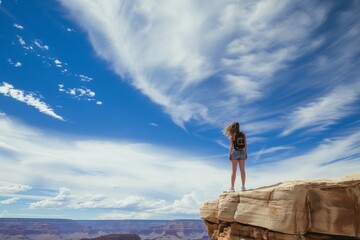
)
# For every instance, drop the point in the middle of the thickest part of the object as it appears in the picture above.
(174, 111)
(46, 228)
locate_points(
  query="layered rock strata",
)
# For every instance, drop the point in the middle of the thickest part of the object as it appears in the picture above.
(311, 209)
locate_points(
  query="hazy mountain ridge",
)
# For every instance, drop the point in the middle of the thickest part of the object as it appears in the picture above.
(121, 236)
(20, 228)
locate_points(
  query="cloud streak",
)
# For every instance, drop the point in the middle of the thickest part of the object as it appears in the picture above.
(6, 189)
(9, 201)
(28, 98)
(18, 26)
(170, 50)
(82, 173)
(324, 111)
(333, 157)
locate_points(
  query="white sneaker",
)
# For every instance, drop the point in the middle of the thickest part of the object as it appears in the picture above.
(243, 188)
(231, 190)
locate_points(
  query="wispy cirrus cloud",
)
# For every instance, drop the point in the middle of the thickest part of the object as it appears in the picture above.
(272, 150)
(9, 201)
(324, 111)
(241, 85)
(48, 162)
(28, 98)
(82, 173)
(153, 124)
(333, 157)
(169, 50)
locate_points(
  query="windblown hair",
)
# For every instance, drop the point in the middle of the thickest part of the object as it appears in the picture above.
(232, 128)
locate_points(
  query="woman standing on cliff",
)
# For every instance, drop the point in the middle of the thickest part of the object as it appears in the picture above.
(238, 152)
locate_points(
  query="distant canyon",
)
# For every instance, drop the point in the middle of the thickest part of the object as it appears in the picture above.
(54, 229)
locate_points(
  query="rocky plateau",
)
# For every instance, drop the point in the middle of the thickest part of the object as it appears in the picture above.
(303, 209)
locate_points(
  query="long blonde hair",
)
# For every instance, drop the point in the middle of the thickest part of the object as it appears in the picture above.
(231, 128)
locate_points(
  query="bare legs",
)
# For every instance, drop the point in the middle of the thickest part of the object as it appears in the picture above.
(234, 164)
(233, 172)
(242, 171)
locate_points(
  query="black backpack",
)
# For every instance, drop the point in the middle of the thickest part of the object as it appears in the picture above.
(239, 142)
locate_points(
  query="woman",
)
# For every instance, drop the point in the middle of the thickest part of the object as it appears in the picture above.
(238, 155)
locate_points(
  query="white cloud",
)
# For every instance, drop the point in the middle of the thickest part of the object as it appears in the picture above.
(58, 202)
(168, 50)
(5, 189)
(17, 64)
(79, 93)
(67, 200)
(272, 150)
(153, 124)
(21, 40)
(71, 91)
(243, 86)
(332, 158)
(85, 78)
(85, 92)
(40, 45)
(9, 201)
(131, 205)
(324, 111)
(256, 156)
(99, 102)
(28, 98)
(18, 26)
(188, 205)
(221, 143)
(146, 177)
(58, 63)
(149, 181)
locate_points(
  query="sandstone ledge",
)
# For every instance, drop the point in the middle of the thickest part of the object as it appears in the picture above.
(312, 209)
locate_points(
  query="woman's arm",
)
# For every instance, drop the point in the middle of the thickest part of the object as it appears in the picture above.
(231, 144)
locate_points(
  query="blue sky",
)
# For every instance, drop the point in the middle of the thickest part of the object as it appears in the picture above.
(114, 109)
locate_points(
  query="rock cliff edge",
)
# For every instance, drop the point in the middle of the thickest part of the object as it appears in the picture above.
(304, 209)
